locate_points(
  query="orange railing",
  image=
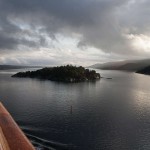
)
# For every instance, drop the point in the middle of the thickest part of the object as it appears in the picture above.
(11, 136)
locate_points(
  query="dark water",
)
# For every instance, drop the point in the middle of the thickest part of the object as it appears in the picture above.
(106, 115)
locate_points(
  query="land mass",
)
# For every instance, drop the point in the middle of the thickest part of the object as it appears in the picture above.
(145, 71)
(7, 67)
(67, 73)
(127, 65)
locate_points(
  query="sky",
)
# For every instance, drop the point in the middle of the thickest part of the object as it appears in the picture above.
(78, 32)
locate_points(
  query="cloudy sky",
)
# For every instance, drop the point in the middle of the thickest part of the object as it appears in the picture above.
(81, 32)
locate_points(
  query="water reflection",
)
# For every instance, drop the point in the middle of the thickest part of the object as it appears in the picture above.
(107, 114)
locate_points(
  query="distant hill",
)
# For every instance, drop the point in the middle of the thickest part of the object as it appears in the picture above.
(6, 67)
(145, 70)
(127, 65)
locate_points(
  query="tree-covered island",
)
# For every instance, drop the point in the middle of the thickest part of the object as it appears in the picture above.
(67, 73)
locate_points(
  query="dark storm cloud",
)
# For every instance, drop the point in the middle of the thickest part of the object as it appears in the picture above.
(136, 18)
(100, 23)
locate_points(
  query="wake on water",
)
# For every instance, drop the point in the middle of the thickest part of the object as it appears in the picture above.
(42, 144)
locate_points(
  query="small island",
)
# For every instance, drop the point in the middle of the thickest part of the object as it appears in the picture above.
(145, 71)
(66, 73)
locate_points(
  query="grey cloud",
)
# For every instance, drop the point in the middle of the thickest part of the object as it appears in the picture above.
(100, 23)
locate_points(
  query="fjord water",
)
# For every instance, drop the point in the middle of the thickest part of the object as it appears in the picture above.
(103, 115)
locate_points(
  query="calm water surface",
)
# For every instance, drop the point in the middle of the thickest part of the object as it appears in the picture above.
(106, 115)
